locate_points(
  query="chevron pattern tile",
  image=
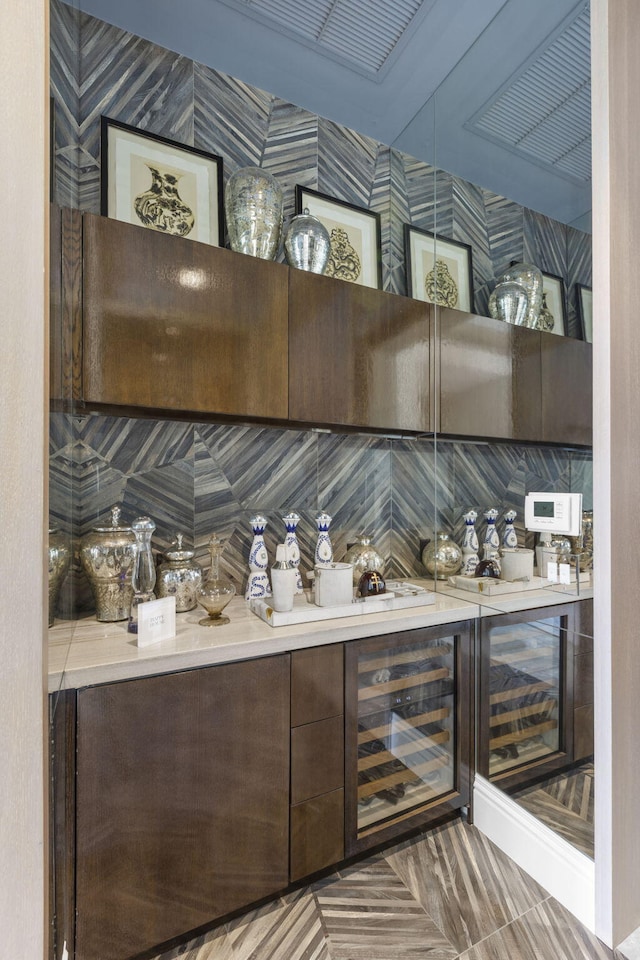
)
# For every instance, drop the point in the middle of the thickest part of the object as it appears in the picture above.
(201, 478)
(445, 895)
(100, 69)
(65, 90)
(470, 226)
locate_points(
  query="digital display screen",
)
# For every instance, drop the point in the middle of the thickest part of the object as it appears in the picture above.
(543, 508)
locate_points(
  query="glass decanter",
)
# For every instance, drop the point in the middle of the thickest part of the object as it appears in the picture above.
(216, 591)
(143, 579)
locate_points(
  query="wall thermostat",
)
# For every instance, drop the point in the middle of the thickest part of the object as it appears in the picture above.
(554, 513)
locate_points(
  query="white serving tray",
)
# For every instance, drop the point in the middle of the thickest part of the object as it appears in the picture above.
(489, 587)
(399, 596)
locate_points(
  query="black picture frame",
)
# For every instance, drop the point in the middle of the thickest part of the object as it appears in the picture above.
(584, 307)
(125, 150)
(362, 227)
(554, 294)
(422, 250)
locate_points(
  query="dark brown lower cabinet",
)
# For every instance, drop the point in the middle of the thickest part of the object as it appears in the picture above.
(182, 805)
(317, 759)
(531, 695)
(409, 709)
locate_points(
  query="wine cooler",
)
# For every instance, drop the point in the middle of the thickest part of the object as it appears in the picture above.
(409, 709)
(525, 698)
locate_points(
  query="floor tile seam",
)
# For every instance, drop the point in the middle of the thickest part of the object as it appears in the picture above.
(423, 908)
(504, 926)
(323, 925)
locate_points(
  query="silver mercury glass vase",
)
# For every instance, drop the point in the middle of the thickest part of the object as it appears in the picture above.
(307, 243)
(510, 302)
(253, 208)
(531, 279)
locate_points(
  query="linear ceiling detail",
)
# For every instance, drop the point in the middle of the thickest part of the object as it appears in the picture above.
(543, 112)
(361, 34)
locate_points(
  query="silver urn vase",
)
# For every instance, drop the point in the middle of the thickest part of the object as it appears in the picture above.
(531, 279)
(364, 558)
(107, 555)
(442, 557)
(510, 302)
(253, 208)
(307, 243)
(179, 576)
(59, 563)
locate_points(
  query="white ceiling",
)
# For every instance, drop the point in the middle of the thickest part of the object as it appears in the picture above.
(495, 91)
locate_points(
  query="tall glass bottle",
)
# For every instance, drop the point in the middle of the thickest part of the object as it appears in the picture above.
(143, 579)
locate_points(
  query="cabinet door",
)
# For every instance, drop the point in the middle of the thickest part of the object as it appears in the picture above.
(566, 390)
(182, 802)
(177, 325)
(489, 377)
(409, 702)
(358, 356)
(526, 695)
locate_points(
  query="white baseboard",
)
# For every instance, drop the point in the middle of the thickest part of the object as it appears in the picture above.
(560, 868)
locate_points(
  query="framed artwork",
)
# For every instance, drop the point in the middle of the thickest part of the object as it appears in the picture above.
(553, 315)
(160, 184)
(438, 270)
(584, 298)
(355, 237)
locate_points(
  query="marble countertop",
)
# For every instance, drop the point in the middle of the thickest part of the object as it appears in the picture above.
(85, 652)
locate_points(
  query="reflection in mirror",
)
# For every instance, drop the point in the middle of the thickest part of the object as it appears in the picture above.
(486, 380)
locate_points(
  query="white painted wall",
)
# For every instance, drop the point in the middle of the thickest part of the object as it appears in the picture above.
(24, 105)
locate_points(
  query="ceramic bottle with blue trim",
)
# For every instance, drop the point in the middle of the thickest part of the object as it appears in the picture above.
(491, 542)
(324, 550)
(509, 536)
(258, 585)
(291, 522)
(470, 558)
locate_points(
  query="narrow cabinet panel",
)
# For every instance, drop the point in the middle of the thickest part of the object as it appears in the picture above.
(177, 325)
(567, 391)
(182, 802)
(488, 377)
(359, 357)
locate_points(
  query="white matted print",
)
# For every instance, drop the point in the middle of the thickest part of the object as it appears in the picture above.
(160, 184)
(438, 270)
(553, 315)
(355, 237)
(584, 296)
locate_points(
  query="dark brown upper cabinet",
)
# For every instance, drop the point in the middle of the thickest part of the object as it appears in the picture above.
(177, 325)
(358, 356)
(489, 377)
(566, 395)
(503, 382)
(145, 321)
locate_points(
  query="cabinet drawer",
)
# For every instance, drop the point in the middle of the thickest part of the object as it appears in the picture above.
(317, 758)
(317, 834)
(317, 680)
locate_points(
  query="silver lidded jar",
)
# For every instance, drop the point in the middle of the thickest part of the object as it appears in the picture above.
(442, 557)
(253, 204)
(179, 576)
(307, 243)
(364, 557)
(59, 563)
(107, 555)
